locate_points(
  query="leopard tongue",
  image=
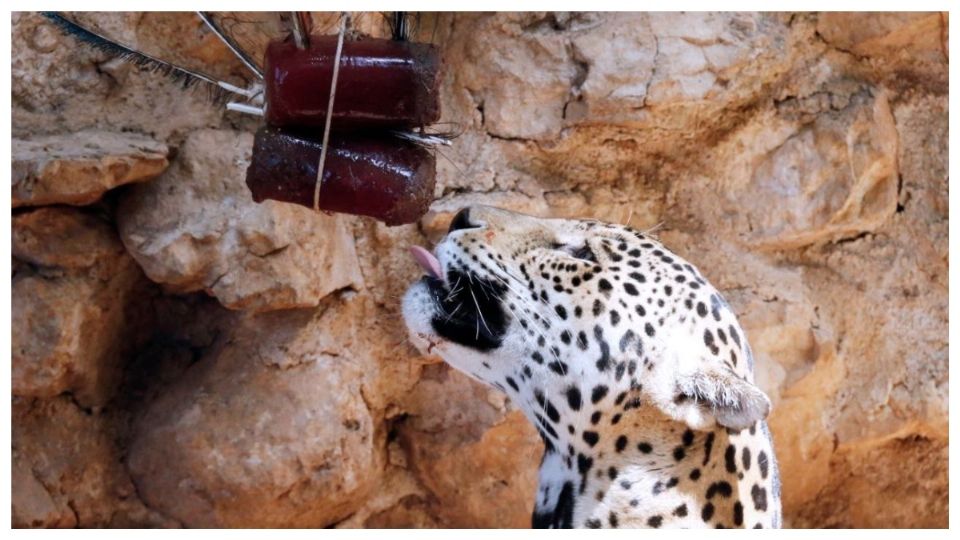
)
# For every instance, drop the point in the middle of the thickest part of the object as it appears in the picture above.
(427, 261)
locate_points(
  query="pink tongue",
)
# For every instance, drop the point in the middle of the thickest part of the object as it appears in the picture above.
(427, 261)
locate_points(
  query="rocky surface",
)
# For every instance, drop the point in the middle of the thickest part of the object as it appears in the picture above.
(194, 228)
(77, 297)
(468, 447)
(80, 167)
(68, 469)
(270, 429)
(185, 357)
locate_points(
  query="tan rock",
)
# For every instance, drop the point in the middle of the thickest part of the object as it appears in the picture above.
(477, 458)
(613, 81)
(61, 86)
(197, 228)
(698, 54)
(909, 467)
(517, 102)
(32, 504)
(75, 310)
(802, 440)
(68, 470)
(269, 430)
(398, 502)
(596, 69)
(78, 168)
(902, 44)
(867, 34)
(823, 167)
(72, 240)
(411, 512)
(846, 169)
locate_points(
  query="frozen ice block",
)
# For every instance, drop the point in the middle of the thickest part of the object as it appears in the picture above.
(381, 83)
(371, 175)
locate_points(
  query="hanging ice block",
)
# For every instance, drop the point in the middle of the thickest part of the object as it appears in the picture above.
(381, 83)
(377, 176)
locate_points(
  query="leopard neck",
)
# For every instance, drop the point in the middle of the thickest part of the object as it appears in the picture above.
(677, 477)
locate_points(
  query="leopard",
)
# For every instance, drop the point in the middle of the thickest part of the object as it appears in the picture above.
(631, 366)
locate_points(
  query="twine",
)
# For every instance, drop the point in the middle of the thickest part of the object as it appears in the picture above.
(326, 127)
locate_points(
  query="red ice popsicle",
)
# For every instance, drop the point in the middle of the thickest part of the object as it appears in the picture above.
(371, 175)
(381, 83)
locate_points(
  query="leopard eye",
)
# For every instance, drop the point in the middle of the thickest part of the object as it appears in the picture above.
(583, 252)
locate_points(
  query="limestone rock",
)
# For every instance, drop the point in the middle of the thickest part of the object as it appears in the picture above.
(33, 505)
(523, 103)
(477, 458)
(197, 228)
(67, 470)
(411, 512)
(269, 430)
(823, 167)
(74, 304)
(881, 32)
(628, 69)
(614, 78)
(398, 502)
(907, 466)
(61, 86)
(846, 169)
(697, 54)
(904, 45)
(65, 238)
(78, 168)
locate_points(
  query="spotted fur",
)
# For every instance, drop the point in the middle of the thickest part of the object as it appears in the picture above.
(628, 362)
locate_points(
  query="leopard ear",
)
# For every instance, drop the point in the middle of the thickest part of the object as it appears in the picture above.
(702, 376)
(730, 400)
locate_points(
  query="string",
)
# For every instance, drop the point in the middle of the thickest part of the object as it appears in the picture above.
(326, 127)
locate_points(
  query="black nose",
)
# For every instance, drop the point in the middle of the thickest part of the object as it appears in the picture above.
(462, 221)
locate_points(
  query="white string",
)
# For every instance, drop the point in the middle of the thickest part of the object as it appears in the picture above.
(326, 127)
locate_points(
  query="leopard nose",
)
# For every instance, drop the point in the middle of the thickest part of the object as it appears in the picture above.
(462, 221)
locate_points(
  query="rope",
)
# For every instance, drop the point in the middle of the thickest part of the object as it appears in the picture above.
(326, 127)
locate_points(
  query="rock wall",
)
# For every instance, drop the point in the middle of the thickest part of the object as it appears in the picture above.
(185, 357)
